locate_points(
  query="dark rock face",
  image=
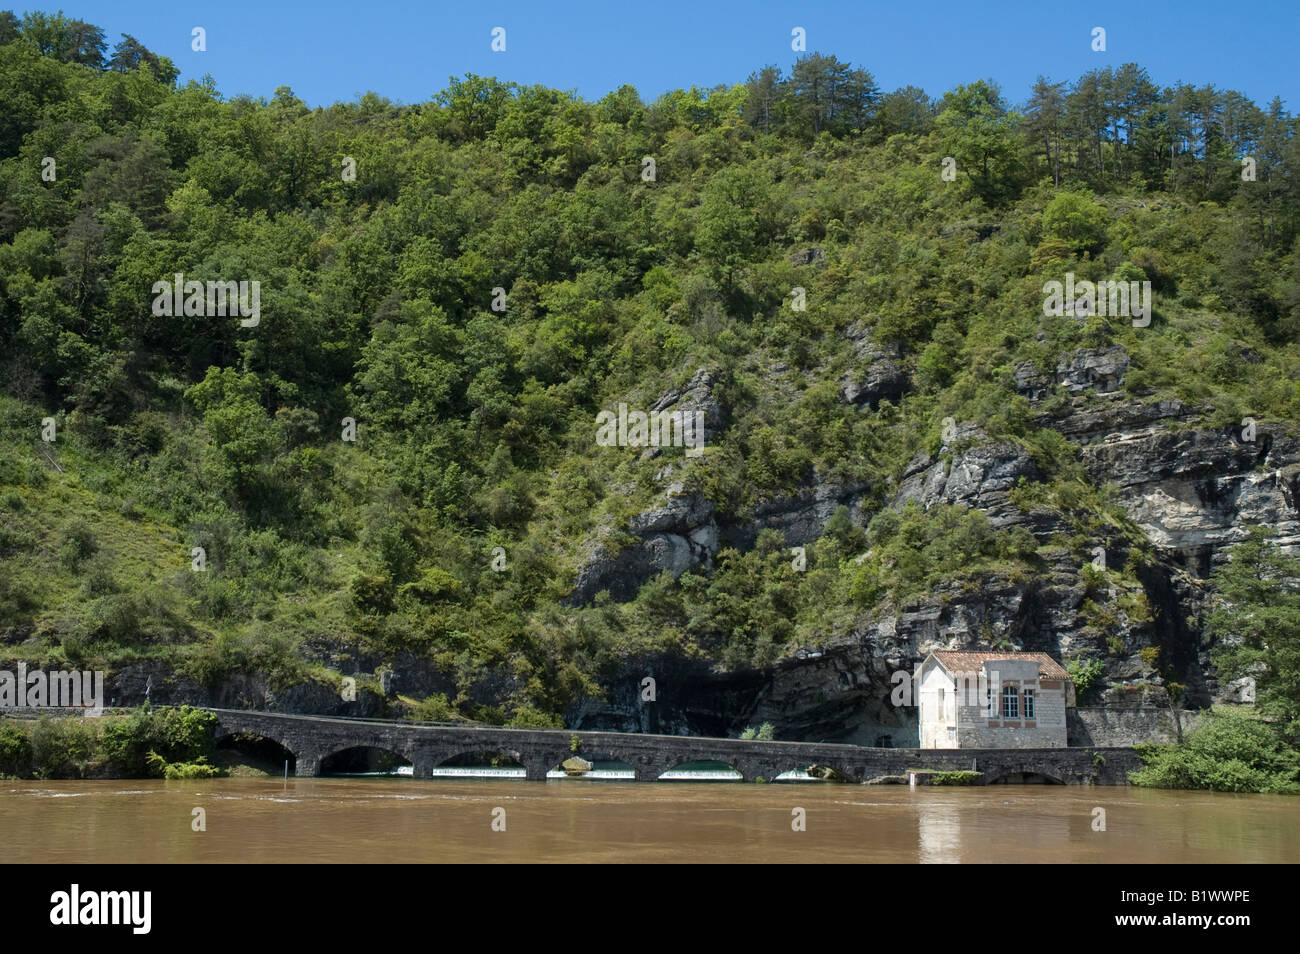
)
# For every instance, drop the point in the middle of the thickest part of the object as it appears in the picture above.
(1086, 423)
(979, 476)
(809, 256)
(128, 685)
(876, 373)
(697, 395)
(801, 518)
(1098, 369)
(380, 679)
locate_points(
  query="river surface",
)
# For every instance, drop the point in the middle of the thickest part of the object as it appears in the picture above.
(382, 819)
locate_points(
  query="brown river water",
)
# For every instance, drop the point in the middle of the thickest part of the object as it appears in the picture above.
(358, 820)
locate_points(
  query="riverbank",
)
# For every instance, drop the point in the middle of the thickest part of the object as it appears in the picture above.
(143, 743)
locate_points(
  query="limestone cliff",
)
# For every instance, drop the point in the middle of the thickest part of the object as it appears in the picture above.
(1190, 491)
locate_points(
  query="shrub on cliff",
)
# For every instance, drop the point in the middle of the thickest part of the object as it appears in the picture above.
(1085, 676)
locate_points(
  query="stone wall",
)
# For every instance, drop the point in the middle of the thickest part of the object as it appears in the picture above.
(977, 731)
(1102, 726)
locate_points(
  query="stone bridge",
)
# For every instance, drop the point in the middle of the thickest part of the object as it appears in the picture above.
(312, 739)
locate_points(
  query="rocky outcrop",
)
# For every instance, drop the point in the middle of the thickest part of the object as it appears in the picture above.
(1086, 423)
(1198, 491)
(801, 518)
(876, 373)
(685, 532)
(1098, 369)
(969, 471)
(675, 536)
(1194, 491)
(815, 256)
(698, 394)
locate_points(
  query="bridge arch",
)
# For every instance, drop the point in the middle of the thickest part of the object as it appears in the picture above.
(362, 759)
(263, 751)
(688, 762)
(825, 771)
(608, 762)
(481, 758)
(1020, 777)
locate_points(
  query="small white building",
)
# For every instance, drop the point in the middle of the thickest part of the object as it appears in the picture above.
(993, 700)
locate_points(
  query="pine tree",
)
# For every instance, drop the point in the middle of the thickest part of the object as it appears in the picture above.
(1045, 114)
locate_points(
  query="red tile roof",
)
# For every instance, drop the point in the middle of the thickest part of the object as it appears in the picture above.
(956, 662)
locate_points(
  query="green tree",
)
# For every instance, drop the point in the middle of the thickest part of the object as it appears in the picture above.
(763, 97)
(1256, 620)
(72, 41)
(826, 95)
(1045, 115)
(905, 110)
(734, 220)
(242, 433)
(10, 29)
(1074, 218)
(980, 134)
(130, 54)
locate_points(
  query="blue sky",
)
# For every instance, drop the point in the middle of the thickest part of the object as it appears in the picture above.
(332, 50)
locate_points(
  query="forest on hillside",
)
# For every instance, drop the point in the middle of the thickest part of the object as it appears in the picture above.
(471, 280)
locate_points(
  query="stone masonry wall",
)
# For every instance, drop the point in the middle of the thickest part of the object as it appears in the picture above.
(1100, 726)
